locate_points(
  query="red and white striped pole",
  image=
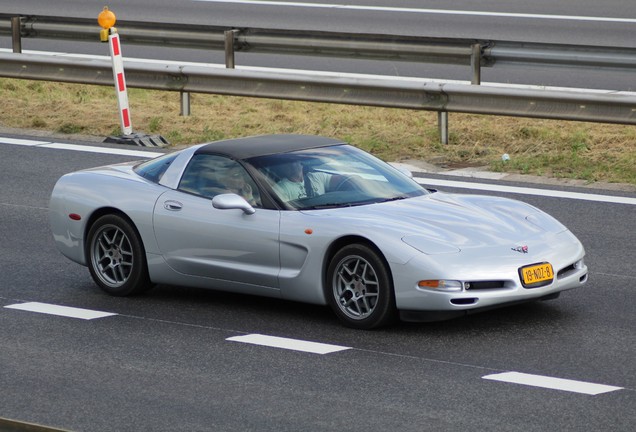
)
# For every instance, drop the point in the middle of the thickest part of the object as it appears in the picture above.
(107, 19)
(120, 82)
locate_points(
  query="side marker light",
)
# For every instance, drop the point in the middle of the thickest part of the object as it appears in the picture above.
(442, 285)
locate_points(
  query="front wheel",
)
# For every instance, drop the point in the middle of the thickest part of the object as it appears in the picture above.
(115, 257)
(359, 288)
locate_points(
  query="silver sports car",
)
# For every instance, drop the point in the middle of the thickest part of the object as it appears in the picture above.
(309, 219)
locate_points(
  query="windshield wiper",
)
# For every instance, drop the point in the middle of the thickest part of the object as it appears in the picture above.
(326, 206)
(397, 198)
(354, 204)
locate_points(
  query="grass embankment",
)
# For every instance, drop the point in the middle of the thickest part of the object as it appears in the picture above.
(587, 151)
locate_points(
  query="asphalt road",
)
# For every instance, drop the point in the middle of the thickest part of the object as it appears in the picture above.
(163, 362)
(586, 22)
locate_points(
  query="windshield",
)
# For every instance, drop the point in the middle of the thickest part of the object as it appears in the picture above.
(336, 176)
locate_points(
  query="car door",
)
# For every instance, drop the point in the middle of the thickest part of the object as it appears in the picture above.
(199, 240)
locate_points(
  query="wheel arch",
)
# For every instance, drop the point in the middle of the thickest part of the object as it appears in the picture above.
(103, 211)
(384, 310)
(341, 242)
(137, 281)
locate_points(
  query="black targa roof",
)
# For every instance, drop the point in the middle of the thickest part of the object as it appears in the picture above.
(245, 148)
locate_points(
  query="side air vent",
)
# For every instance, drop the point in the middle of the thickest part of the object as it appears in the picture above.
(464, 301)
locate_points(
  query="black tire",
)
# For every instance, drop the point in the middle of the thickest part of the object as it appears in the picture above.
(359, 288)
(116, 258)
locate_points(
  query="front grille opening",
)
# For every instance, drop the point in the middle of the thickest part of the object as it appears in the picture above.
(485, 285)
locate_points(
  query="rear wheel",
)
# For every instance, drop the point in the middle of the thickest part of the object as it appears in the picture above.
(359, 288)
(116, 258)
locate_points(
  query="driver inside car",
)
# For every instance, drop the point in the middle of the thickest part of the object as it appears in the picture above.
(296, 184)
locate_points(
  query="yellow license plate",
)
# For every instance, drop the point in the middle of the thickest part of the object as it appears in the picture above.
(537, 273)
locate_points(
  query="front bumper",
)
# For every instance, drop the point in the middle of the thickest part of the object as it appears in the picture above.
(495, 280)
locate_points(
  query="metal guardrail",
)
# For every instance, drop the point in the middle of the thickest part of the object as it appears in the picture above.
(332, 44)
(606, 107)
(255, 40)
(379, 47)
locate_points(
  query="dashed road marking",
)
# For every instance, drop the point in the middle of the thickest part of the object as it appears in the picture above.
(289, 344)
(324, 348)
(66, 311)
(552, 383)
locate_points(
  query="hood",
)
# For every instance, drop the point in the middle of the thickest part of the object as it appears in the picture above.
(446, 223)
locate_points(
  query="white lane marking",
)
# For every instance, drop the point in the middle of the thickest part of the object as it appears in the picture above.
(23, 142)
(76, 147)
(66, 311)
(527, 191)
(424, 11)
(552, 383)
(289, 344)
(421, 180)
(103, 150)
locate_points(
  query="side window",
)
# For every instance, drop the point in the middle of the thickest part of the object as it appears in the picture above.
(154, 169)
(210, 175)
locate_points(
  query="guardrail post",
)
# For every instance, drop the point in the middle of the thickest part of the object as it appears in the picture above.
(475, 64)
(442, 121)
(185, 104)
(229, 48)
(16, 35)
(442, 124)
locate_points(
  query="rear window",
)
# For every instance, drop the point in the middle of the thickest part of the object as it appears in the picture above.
(154, 169)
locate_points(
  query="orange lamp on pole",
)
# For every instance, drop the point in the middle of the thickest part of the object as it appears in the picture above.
(106, 19)
(109, 34)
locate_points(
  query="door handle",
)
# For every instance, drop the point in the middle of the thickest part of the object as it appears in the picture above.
(172, 205)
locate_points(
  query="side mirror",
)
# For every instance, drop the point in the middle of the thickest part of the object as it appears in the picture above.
(232, 201)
